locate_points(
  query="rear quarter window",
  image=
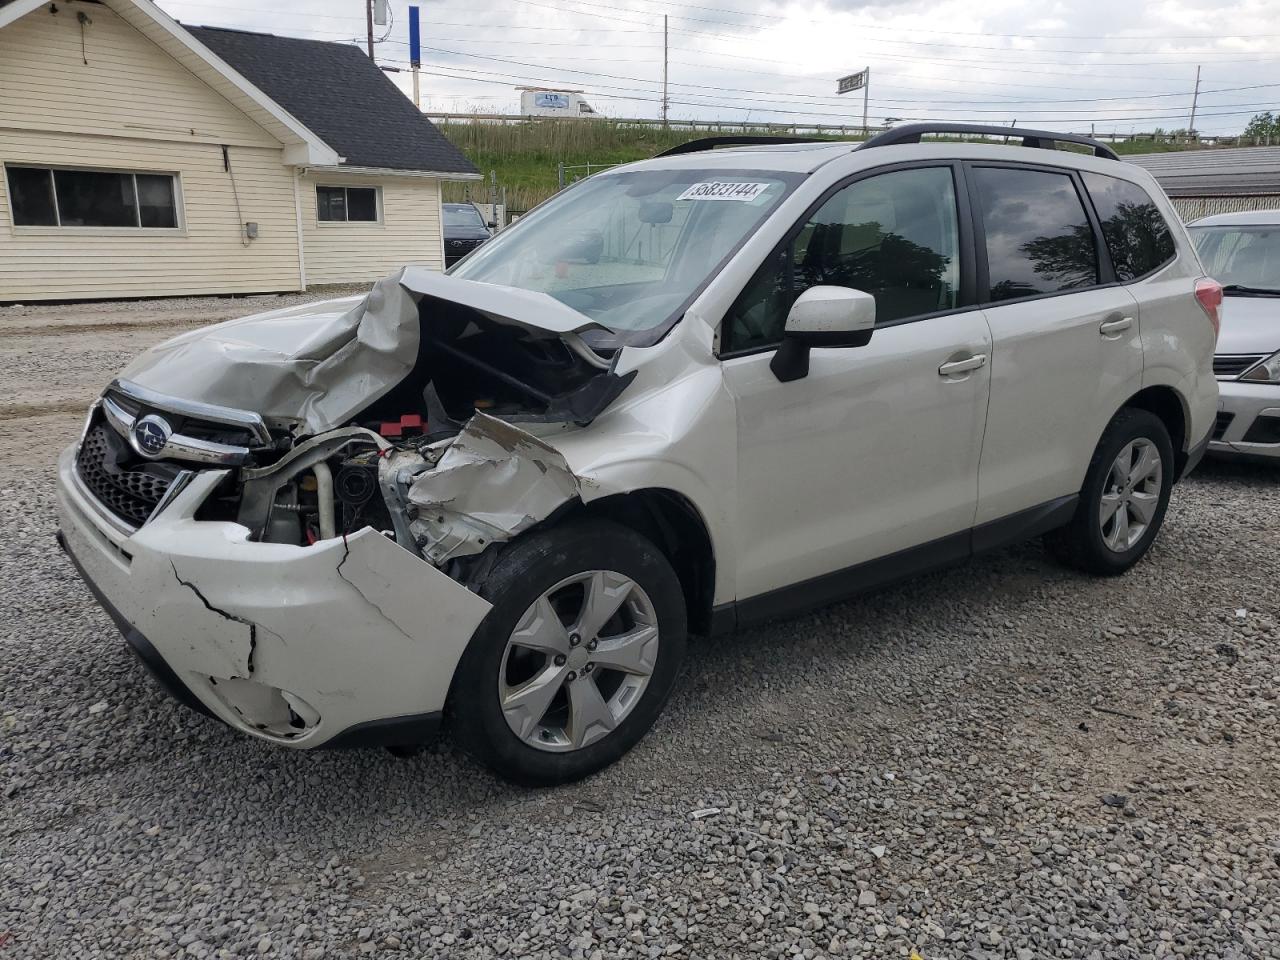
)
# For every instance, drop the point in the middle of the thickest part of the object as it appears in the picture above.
(1137, 236)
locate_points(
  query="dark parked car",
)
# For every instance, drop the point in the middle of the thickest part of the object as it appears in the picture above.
(464, 230)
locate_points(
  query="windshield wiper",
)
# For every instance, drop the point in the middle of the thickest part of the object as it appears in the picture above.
(1244, 290)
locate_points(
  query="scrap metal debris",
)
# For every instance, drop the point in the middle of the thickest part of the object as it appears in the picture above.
(493, 482)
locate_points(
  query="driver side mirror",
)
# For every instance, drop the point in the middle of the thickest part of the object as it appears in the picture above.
(822, 317)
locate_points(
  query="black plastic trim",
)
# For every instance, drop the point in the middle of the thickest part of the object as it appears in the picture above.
(852, 581)
(1196, 454)
(1024, 524)
(140, 645)
(1042, 139)
(409, 730)
(712, 143)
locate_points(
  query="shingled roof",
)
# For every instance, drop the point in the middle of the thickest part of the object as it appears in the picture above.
(1234, 171)
(340, 95)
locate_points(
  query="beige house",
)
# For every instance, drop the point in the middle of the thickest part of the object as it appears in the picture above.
(139, 158)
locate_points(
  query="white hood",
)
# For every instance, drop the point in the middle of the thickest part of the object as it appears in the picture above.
(317, 365)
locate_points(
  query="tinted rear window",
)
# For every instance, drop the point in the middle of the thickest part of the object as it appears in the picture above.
(1136, 233)
(1038, 236)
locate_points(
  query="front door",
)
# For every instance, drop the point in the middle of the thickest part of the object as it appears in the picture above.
(877, 449)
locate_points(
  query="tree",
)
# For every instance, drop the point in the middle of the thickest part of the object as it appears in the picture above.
(1263, 126)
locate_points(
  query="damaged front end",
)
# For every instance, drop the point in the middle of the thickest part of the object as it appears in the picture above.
(292, 508)
(407, 413)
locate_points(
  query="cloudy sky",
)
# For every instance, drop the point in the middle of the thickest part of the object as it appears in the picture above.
(1113, 65)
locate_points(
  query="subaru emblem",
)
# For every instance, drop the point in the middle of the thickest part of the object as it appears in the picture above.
(151, 435)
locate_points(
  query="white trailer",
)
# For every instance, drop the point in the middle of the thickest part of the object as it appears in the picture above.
(548, 102)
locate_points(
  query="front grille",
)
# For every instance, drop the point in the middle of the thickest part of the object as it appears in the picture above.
(455, 250)
(130, 491)
(1221, 423)
(1231, 365)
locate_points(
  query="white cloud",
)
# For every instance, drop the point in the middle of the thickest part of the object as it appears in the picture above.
(995, 60)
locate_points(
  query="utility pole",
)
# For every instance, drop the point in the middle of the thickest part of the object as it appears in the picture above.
(1194, 98)
(664, 69)
(368, 15)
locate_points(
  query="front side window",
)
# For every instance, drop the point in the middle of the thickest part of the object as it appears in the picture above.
(893, 236)
(44, 197)
(347, 204)
(630, 250)
(1135, 231)
(1038, 236)
(1243, 259)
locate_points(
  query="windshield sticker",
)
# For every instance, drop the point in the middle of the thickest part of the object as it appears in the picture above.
(716, 190)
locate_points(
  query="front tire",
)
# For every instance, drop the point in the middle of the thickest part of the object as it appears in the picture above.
(1124, 498)
(577, 657)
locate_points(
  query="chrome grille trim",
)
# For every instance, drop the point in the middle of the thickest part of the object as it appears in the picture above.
(178, 447)
(227, 416)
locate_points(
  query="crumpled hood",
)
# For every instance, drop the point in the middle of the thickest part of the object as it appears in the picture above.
(1249, 325)
(319, 364)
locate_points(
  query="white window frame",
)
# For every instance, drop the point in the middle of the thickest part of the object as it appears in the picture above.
(58, 229)
(340, 224)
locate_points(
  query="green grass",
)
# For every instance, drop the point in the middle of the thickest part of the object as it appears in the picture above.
(525, 155)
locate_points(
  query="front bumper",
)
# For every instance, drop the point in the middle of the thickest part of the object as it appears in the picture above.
(351, 640)
(1248, 419)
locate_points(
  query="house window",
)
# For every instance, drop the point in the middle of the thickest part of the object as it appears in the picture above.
(45, 197)
(347, 204)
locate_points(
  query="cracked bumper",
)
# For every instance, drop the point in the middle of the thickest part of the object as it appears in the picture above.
(343, 641)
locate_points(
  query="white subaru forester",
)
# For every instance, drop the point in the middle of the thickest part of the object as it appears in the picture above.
(684, 395)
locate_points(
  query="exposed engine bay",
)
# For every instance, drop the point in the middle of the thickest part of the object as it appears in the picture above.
(434, 458)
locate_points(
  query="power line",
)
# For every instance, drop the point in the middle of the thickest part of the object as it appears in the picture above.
(614, 8)
(631, 94)
(721, 90)
(983, 33)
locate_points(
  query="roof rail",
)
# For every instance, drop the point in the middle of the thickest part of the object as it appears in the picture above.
(1043, 139)
(713, 143)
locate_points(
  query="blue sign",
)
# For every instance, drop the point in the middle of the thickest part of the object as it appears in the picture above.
(415, 39)
(551, 101)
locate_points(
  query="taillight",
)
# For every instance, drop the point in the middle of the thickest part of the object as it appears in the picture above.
(1209, 293)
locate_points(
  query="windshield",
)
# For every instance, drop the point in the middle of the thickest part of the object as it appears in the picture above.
(1242, 257)
(462, 215)
(631, 250)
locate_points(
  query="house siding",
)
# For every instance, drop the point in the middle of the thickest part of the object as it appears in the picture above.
(134, 108)
(351, 252)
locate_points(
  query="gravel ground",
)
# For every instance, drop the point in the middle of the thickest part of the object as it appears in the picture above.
(1004, 760)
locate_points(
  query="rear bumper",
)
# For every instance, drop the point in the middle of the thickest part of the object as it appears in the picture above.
(345, 642)
(1248, 420)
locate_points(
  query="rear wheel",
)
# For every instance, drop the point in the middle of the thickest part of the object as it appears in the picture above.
(1124, 498)
(577, 657)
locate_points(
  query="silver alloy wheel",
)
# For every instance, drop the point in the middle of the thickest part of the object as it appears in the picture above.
(578, 661)
(1130, 495)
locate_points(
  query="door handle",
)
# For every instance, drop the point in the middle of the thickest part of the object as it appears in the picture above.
(1119, 325)
(956, 367)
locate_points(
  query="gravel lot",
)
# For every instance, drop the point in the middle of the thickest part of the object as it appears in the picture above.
(1004, 760)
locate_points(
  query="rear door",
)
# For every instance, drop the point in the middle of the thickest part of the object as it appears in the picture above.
(1066, 348)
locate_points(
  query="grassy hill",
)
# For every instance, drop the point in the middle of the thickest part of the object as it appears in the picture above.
(526, 155)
